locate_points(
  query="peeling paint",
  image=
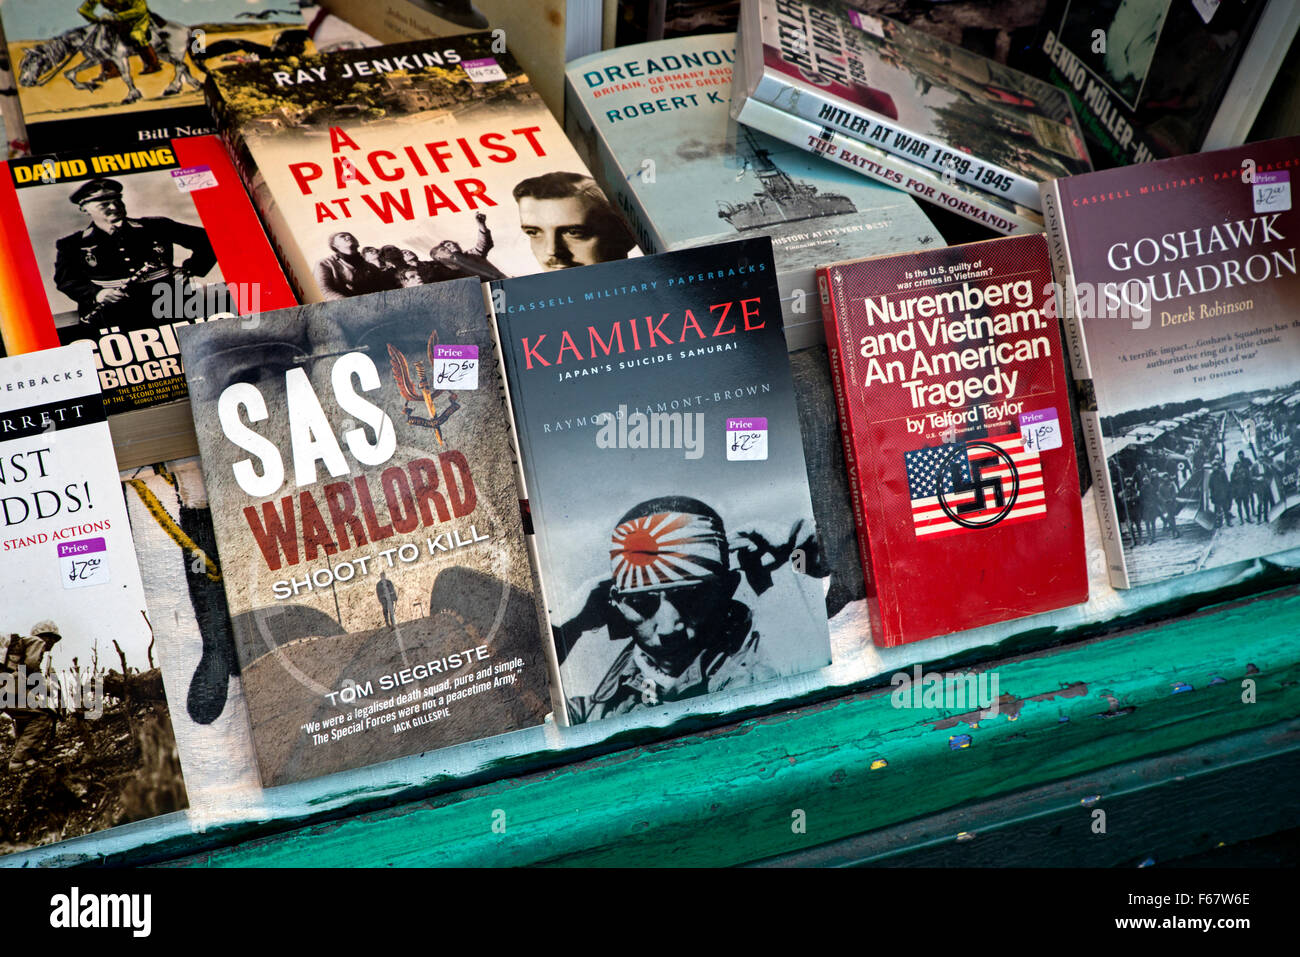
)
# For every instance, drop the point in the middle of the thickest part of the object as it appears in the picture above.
(879, 763)
(959, 741)
(1090, 800)
(965, 835)
(1180, 687)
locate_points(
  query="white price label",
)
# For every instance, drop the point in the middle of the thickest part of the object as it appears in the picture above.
(84, 563)
(455, 368)
(483, 71)
(746, 440)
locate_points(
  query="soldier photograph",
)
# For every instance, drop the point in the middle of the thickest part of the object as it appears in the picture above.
(111, 266)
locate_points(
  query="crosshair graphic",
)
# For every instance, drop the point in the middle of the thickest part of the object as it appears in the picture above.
(1004, 489)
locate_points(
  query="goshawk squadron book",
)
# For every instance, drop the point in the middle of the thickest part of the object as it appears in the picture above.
(956, 421)
(1180, 298)
(358, 466)
(656, 420)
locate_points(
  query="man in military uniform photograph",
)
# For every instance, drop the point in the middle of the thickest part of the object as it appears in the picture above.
(110, 268)
(33, 727)
(570, 222)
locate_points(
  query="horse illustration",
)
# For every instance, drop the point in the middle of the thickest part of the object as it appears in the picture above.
(100, 44)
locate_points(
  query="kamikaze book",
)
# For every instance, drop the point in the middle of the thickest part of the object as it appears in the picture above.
(955, 414)
(89, 740)
(358, 465)
(686, 174)
(936, 105)
(125, 73)
(408, 164)
(1180, 298)
(656, 420)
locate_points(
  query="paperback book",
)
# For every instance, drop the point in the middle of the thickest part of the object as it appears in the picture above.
(122, 248)
(1180, 298)
(88, 740)
(686, 174)
(954, 410)
(358, 467)
(130, 74)
(934, 104)
(1169, 77)
(408, 164)
(683, 560)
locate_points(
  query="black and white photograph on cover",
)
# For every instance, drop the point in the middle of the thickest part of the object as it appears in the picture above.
(107, 246)
(1122, 54)
(1206, 482)
(565, 217)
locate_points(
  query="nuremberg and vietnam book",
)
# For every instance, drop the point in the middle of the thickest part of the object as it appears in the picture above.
(955, 414)
(935, 105)
(121, 248)
(653, 121)
(358, 465)
(655, 415)
(408, 164)
(1181, 305)
(130, 74)
(86, 742)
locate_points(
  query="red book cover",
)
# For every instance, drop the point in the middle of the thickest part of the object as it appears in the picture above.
(955, 416)
(122, 247)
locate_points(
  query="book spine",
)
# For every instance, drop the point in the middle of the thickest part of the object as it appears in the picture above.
(1067, 307)
(983, 208)
(856, 479)
(888, 136)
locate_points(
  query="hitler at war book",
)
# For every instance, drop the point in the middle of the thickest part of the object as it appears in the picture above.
(955, 414)
(359, 470)
(656, 421)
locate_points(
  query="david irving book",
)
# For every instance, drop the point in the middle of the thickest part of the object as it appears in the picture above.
(664, 469)
(951, 385)
(411, 163)
(86, 737)
(358, 466)
(1180, 293)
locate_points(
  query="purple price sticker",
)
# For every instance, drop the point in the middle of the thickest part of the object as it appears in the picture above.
(746, 440)
(455, 367)
(1272, 191)
(83, 563)
(867, 23)
(1040, 430)
(485, 70)
(193, 178)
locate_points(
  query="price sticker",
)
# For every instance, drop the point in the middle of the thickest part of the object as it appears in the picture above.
(486, 70)
(746, 440)
(455, 368)
(84, 563)
(1040, 430)
(1272, 192)
(194, 178)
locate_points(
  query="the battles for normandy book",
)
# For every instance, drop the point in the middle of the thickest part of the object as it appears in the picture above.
(655, 415)
(85, 735)
(1180, 298)
(950, 381)
(126, 73)
(654, 122)
(411, 163)
(358, 465)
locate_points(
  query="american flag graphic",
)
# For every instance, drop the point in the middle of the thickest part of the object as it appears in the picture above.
(666, 549)
(968, 473)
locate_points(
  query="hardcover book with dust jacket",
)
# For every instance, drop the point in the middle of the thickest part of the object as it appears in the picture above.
(412, 163)
(656, 420)
(687, 174)
(954, 410)
(1180, 300)
(903, 91)
(358, 466)
(86, 739)
(130, 74)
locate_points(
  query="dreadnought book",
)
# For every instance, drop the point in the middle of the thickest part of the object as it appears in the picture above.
(655, 415)
(126, 73)
(955, 414)
(686, 174)
(890, 86)
(121, 248)
(358, 466)
(408, 164)
(1169, 77)
(1180, 298)
(87, 739)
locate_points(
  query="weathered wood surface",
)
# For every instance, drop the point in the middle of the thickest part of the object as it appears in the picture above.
(847, 766)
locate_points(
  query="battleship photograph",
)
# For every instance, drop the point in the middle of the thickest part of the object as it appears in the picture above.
(780, 198)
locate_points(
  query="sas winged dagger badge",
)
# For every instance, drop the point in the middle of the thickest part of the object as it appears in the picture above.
(417, 389)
